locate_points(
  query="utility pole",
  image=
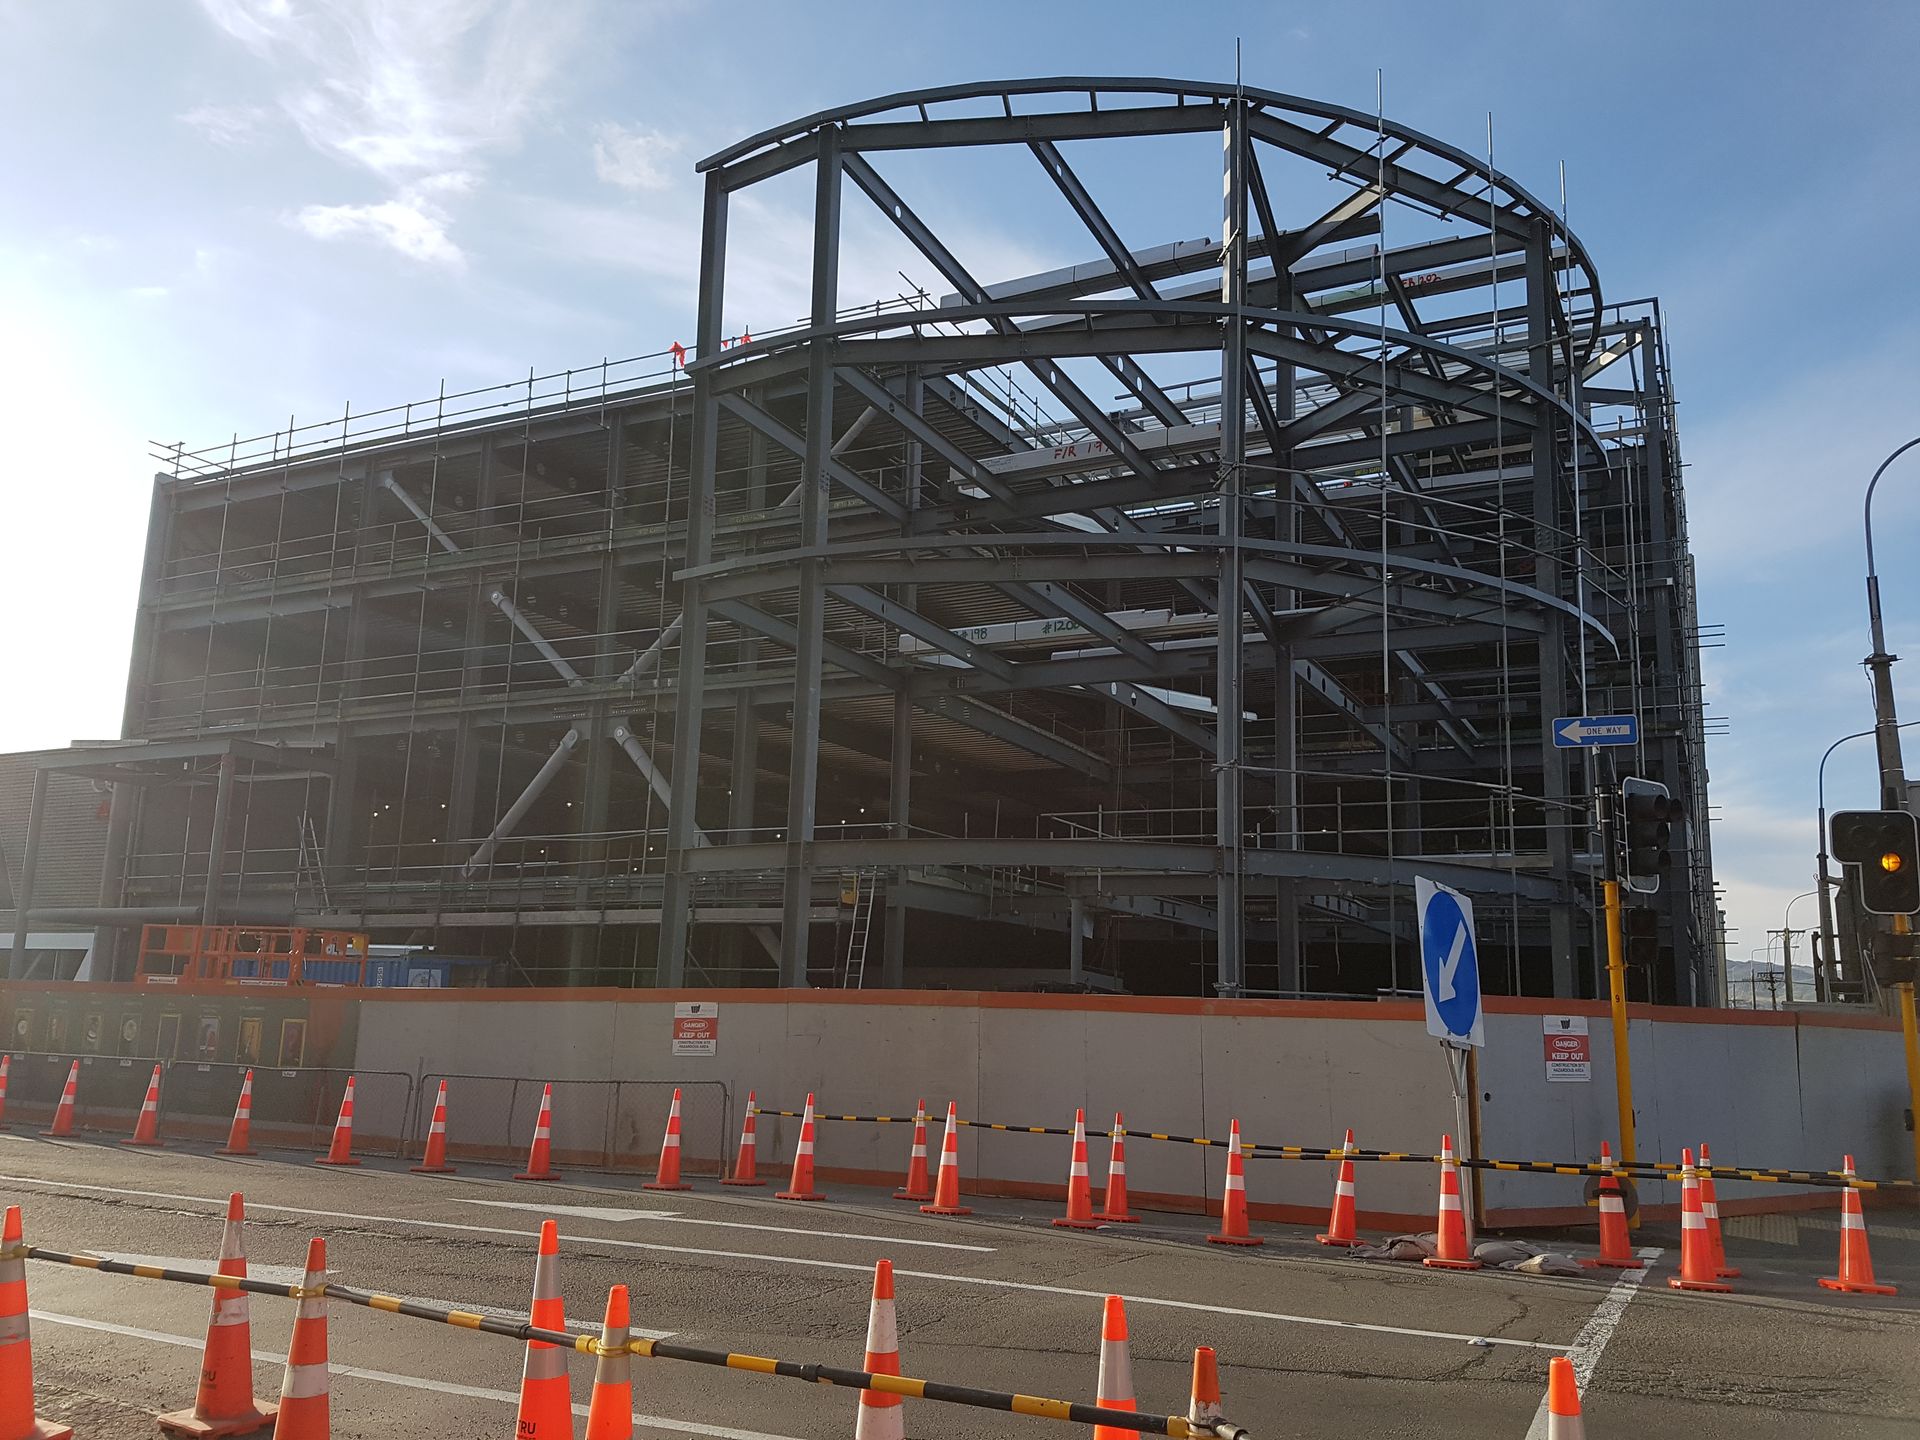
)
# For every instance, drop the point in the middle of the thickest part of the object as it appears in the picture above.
(1772, 977)
(1786, 953)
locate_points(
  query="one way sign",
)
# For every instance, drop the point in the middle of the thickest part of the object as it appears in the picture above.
(1574, 732)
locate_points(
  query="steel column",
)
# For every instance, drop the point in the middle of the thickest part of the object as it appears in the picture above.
(1230, 955)
(29, 864)
(217, 842)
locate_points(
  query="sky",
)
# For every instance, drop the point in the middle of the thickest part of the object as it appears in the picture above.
(216, 214)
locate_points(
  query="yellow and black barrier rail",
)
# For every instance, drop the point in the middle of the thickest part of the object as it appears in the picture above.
(1640, 1169)
(588, 1343)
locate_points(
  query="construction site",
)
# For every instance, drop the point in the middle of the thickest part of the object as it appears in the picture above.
(1144, 624)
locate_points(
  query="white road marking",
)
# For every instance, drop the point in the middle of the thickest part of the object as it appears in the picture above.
(811, 1264)
(675, 1218)
(1592, 1339)
(579, 1212)
(406, 1382)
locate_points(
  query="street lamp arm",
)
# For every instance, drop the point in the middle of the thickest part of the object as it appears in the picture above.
(1869, 501)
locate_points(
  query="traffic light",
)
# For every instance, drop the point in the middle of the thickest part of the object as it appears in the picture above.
(1884, 848)
(1640, 934)
(1647, 813)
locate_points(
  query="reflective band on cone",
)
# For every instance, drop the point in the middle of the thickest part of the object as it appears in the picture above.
(1616, 1245)
(1563, 1401)
(305, 1412)
(1115, 1390)
(1696, 1250)
(1450, 1234)
(1203, 1408)
(1710, 1208)
(341, 1151)
(146, 1128)
(1114, 1207)
(917, 1187)
(946, 1191)
(62, 1125)
(1233, 1199)
(546, 1397)
(1856, 1262)
(801, 1185)
(240, 1135)
(224, 1403)
(610, 1411)
(746, 1166)
(1342, 1222)
(667, 1175)
(540, 1156)
(1079, 1214)
(434, 1162)
(881, 1415)
(17, 1420)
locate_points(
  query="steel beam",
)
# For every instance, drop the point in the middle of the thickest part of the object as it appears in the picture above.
(516, 812)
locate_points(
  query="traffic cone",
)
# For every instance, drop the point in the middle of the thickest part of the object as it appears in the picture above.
(1856, 1263)
(946, 1190)
(1079, 1214)
(1451, 1232)
(1115, 1391)
(546, 1397)
(62, 1125)
(1203, 1408)
(434, 1162)
(1233, 1199)
(746, 1166)
(917, 1186)
(17, 1420)
(340, 1152)
(1696, 1250)
(6, 1063)
(800, 1187)
(1563, 1401)
(305, 1413)
(1616, 1245)
(240, 1134)
(1710, 1208)
(610, 1411)
(1342, 1224)
(881, 1415)
(1113, 1209)
(146, 1128)
(540, 1157)
(224, 1403)
(666, 1175)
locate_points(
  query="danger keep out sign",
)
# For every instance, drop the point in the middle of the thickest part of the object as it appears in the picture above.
(1569, 1056)
(696, 1028)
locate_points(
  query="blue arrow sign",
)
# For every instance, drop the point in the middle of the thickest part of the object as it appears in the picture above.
(1576, 732)
(1449, 964)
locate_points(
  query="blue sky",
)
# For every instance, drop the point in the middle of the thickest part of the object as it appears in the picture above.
(219, 214)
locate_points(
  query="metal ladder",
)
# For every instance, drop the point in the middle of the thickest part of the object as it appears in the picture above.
(311, 865)
(866, 890)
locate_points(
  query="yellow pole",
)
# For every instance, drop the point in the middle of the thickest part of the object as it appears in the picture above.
(1912, 1037)
(1617, 991)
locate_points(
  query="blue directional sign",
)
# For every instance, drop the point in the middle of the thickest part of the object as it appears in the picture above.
(1578, 732)
(1449, 964)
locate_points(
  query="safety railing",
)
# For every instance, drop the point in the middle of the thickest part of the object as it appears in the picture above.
(613, 1125)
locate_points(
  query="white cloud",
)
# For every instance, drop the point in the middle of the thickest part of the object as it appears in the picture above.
(635, 159)
(231, 126)
(410, 225)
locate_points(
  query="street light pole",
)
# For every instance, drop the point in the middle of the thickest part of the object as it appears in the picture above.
(1823, 977)
(1893, 777)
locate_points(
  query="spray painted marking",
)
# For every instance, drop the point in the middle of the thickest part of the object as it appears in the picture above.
(406, 1382)
(1592, 1340)
(674, 1217)
(810, 1264)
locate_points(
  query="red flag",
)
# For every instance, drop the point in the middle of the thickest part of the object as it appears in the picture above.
(746, 337)
(679, 352)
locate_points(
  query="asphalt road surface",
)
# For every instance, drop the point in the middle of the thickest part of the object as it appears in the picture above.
(1311, 1344)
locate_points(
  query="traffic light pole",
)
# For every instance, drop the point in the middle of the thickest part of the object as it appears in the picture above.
(1616, 980)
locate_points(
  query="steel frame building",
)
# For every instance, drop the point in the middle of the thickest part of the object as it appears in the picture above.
(1149, 622)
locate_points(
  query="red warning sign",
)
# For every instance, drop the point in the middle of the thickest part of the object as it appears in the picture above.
(1567, 1047)
(696, 1028)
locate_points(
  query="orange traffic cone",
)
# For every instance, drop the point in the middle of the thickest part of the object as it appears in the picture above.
(881, 1415)
(1079, 1214)
(546, 1398)
(1115, 1391)
(17, 1420)
(224, 1404)
(1342, 1223)
(63, 1112)
(1203, 1406)
(746, 1166)
(946, 1190)
(1113, 1209)
(1696, 1249)
(434, 1162)
(917, 1186)
(540, 1156)
(801, 1185)
(610, 1411)
(6, 1062)
(666, 1175)
(1616, 1245)
(1856, 1263)
(1233, 1199)
(340, 1152)
(305, 1413)
(1710, 1208)
(146, 1128)
(1563, 1401)
(240, 1134)
(1450, 1236)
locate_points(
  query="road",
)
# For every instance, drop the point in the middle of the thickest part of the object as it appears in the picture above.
(1311, 1344)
